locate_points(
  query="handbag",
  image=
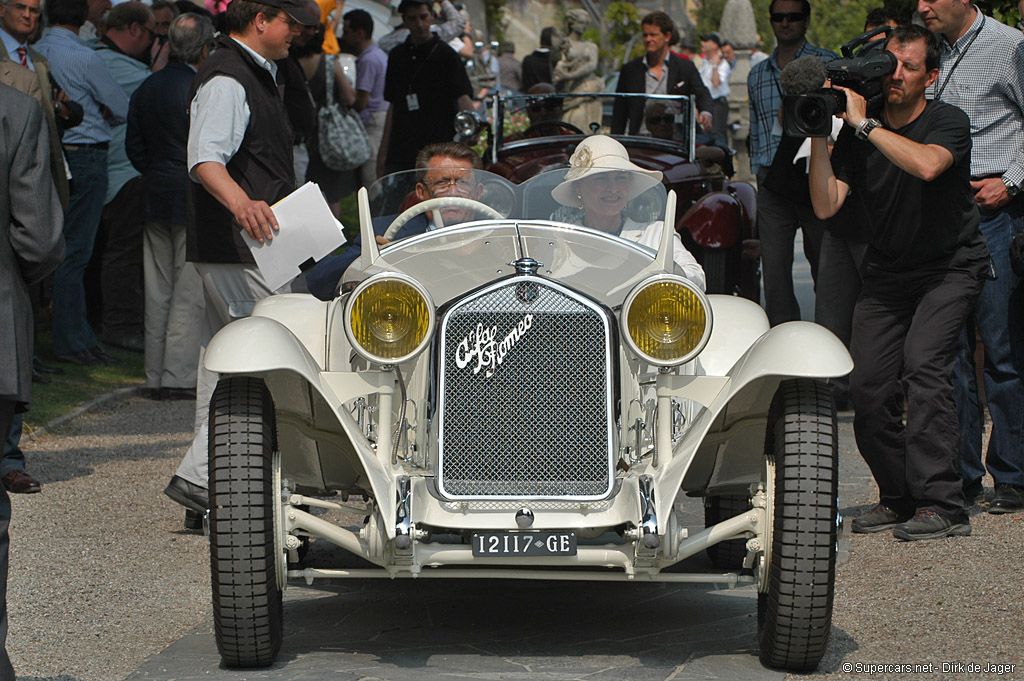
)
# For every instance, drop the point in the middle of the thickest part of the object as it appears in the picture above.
(343, 142)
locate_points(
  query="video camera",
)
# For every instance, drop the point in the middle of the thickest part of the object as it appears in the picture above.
(807, 111)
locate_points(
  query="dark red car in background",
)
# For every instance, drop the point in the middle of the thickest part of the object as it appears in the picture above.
(529, 134)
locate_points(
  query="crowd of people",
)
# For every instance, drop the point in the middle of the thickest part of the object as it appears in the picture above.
(907, 223)
(142, 139)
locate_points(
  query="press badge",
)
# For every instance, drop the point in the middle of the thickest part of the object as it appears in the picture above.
(412, 102)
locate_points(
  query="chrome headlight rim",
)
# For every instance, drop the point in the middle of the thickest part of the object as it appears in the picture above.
(637, 290)
(377, 279)
(467, 124)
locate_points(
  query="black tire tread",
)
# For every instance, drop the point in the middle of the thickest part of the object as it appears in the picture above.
(726, 555)
(795, 614)
(247, 609)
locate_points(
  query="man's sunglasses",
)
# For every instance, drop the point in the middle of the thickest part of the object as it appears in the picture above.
(793, 17)
(547, 105)
(658, 120)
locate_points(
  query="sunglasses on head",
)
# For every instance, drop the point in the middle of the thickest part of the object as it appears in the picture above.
(793, 17)
(547, 105)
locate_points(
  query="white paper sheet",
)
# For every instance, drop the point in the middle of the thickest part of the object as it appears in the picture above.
(308, 230)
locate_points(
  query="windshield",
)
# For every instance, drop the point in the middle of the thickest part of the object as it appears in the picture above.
(527, 117)
(605, 199)
(460, 194)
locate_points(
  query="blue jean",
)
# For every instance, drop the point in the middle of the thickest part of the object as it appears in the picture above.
(999, 320)
(13, 458)
(71, 330)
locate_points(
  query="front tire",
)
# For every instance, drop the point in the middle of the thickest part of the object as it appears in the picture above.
(246, 556)
(795, 599)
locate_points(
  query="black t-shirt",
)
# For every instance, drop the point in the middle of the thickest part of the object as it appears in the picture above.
(434, 74)
(916, 224)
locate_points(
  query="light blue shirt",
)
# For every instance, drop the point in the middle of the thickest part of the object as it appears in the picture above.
(129, 73)
(219, 115)
(88, 81)
(11, 44)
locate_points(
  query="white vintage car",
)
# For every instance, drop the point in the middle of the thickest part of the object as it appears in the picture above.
(522, 397)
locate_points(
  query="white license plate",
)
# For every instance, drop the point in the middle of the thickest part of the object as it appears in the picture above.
(508, 544)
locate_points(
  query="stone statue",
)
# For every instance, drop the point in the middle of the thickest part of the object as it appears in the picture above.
(574, 73)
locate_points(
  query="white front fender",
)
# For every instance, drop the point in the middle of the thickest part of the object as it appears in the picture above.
(793, 349)
(258, 344)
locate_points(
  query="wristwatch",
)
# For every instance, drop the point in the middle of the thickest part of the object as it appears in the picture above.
(865, 127)
(1011, 189)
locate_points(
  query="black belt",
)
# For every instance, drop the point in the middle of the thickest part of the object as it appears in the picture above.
(976, 178)
(93, 145)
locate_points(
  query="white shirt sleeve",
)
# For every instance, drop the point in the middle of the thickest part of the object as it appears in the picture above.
(650, 236)
(219, 117)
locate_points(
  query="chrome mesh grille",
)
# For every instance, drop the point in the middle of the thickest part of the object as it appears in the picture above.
(528, 416)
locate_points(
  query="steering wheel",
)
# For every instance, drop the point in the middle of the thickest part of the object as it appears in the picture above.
(434, 204)
(561, 125)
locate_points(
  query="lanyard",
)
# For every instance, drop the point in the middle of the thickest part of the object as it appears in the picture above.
(938, 93)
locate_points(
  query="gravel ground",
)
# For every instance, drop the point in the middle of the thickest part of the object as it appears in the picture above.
(102, 575)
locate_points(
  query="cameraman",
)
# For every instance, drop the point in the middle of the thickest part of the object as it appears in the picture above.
(922, 273)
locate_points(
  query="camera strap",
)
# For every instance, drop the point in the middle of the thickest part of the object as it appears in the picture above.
(938, 93)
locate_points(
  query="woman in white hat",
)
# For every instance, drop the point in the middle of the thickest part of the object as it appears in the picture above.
(601, 180)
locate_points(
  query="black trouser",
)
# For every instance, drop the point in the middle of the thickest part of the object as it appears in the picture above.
(909, 323)
(115, 270)
(6, 671)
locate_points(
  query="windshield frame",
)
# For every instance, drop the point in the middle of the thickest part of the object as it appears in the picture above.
(501, 105)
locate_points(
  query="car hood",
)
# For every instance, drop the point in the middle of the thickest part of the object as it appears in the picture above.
(452, 262)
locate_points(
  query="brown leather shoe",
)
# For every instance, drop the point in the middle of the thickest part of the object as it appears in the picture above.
(20, 482)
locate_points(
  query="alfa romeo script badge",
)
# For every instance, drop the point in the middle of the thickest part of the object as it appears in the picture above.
(483, 347)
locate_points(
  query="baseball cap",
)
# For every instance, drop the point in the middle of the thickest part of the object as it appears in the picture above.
(296, 9)
(713, 37)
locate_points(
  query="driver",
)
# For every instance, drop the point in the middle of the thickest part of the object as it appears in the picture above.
(448, 169)
(600, 181)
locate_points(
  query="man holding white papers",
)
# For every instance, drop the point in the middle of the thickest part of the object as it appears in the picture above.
(240, 158)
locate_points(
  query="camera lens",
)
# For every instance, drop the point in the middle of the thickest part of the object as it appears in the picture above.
(811, 112)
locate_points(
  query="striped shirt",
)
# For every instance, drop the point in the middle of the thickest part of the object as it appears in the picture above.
(765, 95)
(88, 81)
(988, 85)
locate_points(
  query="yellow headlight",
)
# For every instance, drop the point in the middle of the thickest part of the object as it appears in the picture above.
(389, 319)
(667, 321)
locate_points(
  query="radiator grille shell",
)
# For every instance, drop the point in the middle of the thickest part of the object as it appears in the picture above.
(525, 395)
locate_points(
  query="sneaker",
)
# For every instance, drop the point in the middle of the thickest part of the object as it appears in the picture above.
(879, 518)
(930, 525)
(1008, 499)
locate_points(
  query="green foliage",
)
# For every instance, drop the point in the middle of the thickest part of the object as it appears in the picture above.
(834, 22)
(622, 23)
(494, 11)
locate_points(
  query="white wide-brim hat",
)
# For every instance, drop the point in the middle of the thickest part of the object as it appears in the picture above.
(600, 154)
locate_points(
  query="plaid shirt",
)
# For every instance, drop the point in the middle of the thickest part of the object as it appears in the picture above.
(765, 95)
(988, 85)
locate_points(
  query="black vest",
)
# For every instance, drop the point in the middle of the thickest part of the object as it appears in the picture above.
(262, 167)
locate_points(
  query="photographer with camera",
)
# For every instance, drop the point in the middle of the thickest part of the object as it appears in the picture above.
(921, 275)
(982, 72)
